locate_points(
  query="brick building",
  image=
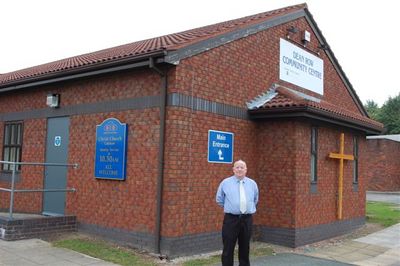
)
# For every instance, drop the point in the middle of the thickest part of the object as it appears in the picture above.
(236, 77)
(384, 163)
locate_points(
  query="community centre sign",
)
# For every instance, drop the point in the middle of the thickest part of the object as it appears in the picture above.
(301, 68)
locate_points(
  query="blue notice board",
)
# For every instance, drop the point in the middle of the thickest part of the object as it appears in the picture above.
(110, 158)
(220, 146)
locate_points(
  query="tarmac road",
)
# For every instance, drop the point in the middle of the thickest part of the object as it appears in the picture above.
(390, 197)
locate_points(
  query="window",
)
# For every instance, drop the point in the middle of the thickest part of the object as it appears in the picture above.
(12, 144)
(314, 154)
(355, 162)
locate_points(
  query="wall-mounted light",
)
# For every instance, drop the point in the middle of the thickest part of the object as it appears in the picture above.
(290, 31)
(53, 100)
(306, 38)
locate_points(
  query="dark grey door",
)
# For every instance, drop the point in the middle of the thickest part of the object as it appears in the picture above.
(56, 176)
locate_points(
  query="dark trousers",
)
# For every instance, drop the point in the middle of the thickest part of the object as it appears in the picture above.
(236, 228)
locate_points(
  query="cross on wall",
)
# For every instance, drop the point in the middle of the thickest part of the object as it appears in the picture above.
(341, 157)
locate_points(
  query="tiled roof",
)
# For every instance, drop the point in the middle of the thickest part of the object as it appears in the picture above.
(141, 48)
(286, 99)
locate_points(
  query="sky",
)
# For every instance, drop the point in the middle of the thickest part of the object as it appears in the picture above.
(363, 35)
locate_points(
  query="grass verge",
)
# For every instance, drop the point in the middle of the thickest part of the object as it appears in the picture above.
(382, 213)
(104, 251)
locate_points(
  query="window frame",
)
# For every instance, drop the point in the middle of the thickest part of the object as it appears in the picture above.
(355, 161)
(314, 155)
(12, 139)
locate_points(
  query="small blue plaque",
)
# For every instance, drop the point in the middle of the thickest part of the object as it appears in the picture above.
(110, 155)
(220, 147)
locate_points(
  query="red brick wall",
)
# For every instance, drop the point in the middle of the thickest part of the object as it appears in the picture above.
(284, 177)
(234, 74)
(31, 177)
(384, 165)
(277, 153)
(276, 174)
(241, 70)
(190, 182)
(126, 204)
(104, 88)
(322, 205)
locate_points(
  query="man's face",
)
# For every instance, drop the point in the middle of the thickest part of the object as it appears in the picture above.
(240, 169)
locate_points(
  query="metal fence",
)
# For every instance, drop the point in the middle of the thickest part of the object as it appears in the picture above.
(12, 190)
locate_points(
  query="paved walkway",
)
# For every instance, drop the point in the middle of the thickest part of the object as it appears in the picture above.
(33, 252)
(378, 249)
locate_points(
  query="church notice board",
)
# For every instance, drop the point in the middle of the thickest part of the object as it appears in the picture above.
(110, 157)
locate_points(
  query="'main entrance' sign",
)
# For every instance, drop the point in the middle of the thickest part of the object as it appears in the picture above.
(110, 155)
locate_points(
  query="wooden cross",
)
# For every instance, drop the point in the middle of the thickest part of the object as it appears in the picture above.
(341, 156)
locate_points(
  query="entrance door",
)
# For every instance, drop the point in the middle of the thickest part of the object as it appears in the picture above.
(55, 177)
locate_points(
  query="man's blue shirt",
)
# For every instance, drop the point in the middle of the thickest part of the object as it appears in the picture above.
(228, 195)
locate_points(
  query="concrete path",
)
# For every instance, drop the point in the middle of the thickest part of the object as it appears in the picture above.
(380, 248)
(285, 259)
(389, 237)
(38, 252)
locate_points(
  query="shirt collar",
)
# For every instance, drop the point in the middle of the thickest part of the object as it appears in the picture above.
(238, 180)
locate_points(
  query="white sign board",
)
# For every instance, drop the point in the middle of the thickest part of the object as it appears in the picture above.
(301, 68)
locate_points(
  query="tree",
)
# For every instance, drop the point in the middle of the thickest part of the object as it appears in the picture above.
(372, 109)
(389, 115)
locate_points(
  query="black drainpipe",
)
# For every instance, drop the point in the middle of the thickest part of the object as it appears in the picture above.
(160, 176)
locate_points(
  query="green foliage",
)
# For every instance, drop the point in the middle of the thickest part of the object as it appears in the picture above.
(213, 260)
(388, 114)
(382, 213)
(372, 109)
(102, 251)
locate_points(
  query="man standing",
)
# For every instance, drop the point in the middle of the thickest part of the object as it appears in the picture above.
(238, 195)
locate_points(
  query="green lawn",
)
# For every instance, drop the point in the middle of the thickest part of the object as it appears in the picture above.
(104, 251)
(382, 213)
(123, 256)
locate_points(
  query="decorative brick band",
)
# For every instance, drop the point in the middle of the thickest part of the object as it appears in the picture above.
(199, 104)
(35, 227)
(293, 237)
(174, 99)
(89, 108)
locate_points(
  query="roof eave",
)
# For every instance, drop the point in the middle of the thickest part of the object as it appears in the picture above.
(314, 114)
(85, 71)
